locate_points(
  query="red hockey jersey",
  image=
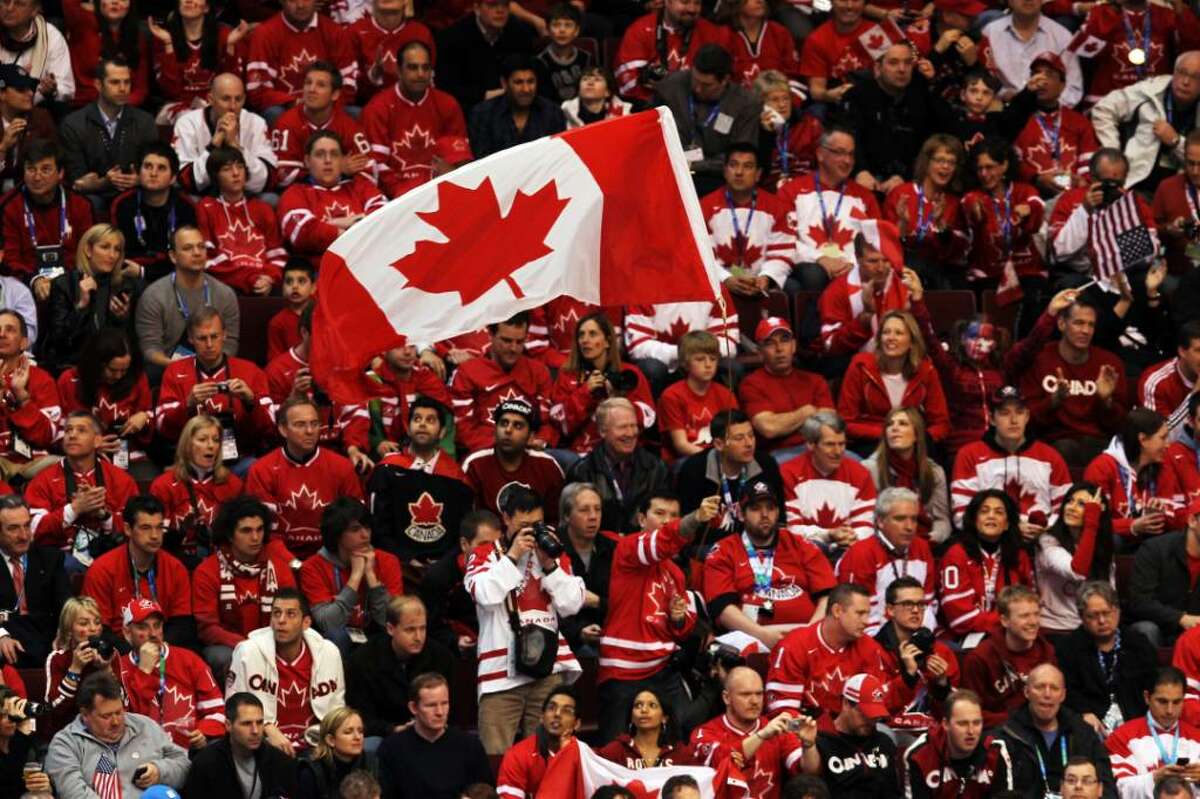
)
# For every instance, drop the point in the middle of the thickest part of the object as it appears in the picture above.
(481, 384)
(985, 215)
(574, 408)
(29, 430)
(305, 208)
(1055, 141)
(111, 412)
(775, 760)
(800, 576)
(322, 581)
(639, 49)
(931, 228)
(394, 396)
(225, 616)
(817, 503)
(242, 240)
(376, 50)
(183, 78)
(967, 587)
(279, 53)
(753, 237)
(1109, 33)
(1035, 477)
(775, 49)
(654, 331)
(1162, 388)
(298, 492)
(539, 471)
(1135, 755)
(874, 563)
(406, 135)
(929, 774)
(841, 303)
(178, 501)
(55, 523)
(824, 219)
(19, 256)
(109, 581)
(1128, 501)
(283, 333)
(252, 422)
(182, 697)
(290, 133)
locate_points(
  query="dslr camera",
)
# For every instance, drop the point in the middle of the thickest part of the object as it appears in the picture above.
(922, 638)
(103, 646)
(32, 709)
(1111, 190)
(653, 73)
(546, 540)
(728, 656)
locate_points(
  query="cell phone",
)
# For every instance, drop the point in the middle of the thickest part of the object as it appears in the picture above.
(140, 772)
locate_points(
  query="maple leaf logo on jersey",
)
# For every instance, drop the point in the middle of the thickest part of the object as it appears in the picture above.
(426, 513)
(511, 394)
(291, 75)
(304, 499)
(677, 329)
(826, 518)
(336, 211)
(1016, 489)
(738, 251)
(565, 324)
(463, 212)
(242, 243)
(177, 707)
(414, 137)
(840, 235)
(295, 695)
(109, 413)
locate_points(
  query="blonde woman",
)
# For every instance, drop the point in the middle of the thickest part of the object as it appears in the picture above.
(338, 752)
(898, 374)
(902, 460)
(74, 656)
(195, 485)
(99, 293)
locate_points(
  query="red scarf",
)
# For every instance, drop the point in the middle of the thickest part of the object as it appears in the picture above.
(230, 567)
(903, 474)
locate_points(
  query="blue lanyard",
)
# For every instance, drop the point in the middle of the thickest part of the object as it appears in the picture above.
(1054, 136)
(1129, 482)
(741, 240)
(1161, 751)
(828, 221)
(31, 223)
(1108, 673)
(924, 221)
(1143, 45)
(183, 309)
(150, 578)
(765, 565)
(781, 144)
(716, 109)
(139, 220)
(1062, 748)
(1005, 221)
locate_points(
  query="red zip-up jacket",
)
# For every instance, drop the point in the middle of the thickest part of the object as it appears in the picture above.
(864, 401)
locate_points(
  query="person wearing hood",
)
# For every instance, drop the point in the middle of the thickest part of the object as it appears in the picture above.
(1148, 494)
(1043, 735)
(997, 669)
(349, 582)
(292, 670)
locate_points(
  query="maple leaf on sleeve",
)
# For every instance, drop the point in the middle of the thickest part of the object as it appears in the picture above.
(471, 263)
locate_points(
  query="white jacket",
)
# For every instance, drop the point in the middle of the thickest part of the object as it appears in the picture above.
(491, 575)
(1142, 101)
(253, 669)
(192, 137)
(616, 108)
(53, 59)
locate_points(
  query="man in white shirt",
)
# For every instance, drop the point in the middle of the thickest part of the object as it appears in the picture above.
(223, 122)
(46, 57)
(1014, 40)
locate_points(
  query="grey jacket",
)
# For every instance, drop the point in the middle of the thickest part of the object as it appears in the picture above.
(160, 324)
(735, 121)
(335, 613)
(74, 753)
(86, 146)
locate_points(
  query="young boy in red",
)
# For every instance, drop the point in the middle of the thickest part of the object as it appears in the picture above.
(686, 408)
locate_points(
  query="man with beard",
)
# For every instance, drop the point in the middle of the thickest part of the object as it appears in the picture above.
(516, 116)
(512, 460)
(857, 761)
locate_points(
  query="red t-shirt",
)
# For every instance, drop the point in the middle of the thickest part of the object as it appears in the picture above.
(681, 408)
(293, 712)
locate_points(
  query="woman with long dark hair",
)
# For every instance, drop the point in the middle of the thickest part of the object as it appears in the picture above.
(1149, 495)
(902, 459)
(652, 738)
(190, 50)
(594, 371)
(1077, 547)
(110, 384)
(103, 29)
(986, 557)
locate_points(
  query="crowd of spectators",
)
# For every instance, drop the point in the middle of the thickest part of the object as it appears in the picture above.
(814, 530)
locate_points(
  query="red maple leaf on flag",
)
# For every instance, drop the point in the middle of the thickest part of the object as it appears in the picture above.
(425, 510)
(875, 41)
(470, 263)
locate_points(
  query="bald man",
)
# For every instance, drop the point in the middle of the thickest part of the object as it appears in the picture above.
(1043, 732)
(225, 122)
(772, 753)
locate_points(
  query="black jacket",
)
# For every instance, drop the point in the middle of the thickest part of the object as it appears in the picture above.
(595, 579)
(47, 587)
(449, 609)
(700, 476)
(1022, 738)
(1086, 689)
(735, 119)
(87, 147)
(492, 128)
(319, 779)
(71, 326)
(649, 474)
(213, 774)
(469, 66)
(377, 681)
(411, 767)
(890, 129)
(1161, 589)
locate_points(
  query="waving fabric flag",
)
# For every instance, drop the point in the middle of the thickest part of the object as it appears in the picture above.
(576, 772)
(1120, 239)
(605, 213)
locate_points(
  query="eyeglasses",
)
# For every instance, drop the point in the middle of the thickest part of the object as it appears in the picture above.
(1099, 615)
(911, 604)
(1086, 782)
(838, 153)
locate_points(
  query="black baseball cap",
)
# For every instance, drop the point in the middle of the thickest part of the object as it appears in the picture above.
(14, 76)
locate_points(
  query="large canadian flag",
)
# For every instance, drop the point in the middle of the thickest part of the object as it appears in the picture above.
(576, 772)
(605, 213)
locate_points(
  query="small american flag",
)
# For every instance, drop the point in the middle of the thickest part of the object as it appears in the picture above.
(106, 781)
(1120, 239)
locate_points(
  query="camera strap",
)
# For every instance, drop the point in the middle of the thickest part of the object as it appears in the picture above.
(660, 42)
(73, 486)
(31, 223)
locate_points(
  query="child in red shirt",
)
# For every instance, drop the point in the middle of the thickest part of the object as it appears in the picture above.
(686, 408)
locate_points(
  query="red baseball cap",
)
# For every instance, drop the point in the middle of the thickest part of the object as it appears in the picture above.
(769, 326)
(139, 610)
(1052, 60)
(969, 8)
(866, 692)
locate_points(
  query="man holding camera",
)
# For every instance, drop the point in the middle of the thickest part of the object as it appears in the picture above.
(521, 584)
(512, 460)
(107, 751)
(80, 499)
(140, 569)
(1070, 222)
(169, 684)
(769, 751)
(300, 478)
(905, 607)
(768, 580)
(33, 588)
